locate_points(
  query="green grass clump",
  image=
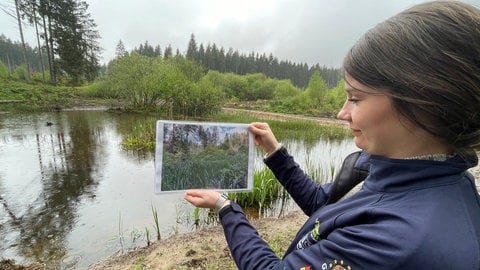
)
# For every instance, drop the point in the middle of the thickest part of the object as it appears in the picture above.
(23, 96)
(266, 189)
(142, 136)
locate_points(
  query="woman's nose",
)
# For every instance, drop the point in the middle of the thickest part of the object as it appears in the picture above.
(344, 114)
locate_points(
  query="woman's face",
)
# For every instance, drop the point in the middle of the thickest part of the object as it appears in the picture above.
(376, 126)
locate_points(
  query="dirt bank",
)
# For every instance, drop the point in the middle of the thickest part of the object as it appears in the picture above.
(282, 116)
(203, 249)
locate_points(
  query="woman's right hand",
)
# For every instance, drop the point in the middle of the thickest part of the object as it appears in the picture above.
(264, 137)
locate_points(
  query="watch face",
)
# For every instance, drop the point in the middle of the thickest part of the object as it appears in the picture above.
(221, 201)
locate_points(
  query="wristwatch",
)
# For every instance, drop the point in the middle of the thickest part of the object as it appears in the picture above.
(225, 210)
(220, 202)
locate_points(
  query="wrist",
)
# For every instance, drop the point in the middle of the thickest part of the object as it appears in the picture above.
(221, 202)
(271, 152)
(227, 209)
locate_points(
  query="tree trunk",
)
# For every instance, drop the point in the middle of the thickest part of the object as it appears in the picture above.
(53, 71)
(38, 41)
(47, 46)
(25, 57)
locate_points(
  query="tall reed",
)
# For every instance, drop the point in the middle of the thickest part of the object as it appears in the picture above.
(120, 232)
(267, 189)
(157, 223)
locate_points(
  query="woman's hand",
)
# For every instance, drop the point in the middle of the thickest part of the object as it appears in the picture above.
(202, 198)
(264, 137)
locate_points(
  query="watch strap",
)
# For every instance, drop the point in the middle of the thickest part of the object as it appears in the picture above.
(225, 211)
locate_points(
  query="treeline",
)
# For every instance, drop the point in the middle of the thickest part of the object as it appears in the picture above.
(187, 139)
(11, 54)
(214, 58)
(67, 48)
(66, 35)
(177, 86)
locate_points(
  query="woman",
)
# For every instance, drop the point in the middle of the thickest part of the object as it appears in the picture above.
(413, 101)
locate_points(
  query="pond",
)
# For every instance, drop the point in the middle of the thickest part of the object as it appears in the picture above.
(71, 196)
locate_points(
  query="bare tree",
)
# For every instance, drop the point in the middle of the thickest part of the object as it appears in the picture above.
(19, 19)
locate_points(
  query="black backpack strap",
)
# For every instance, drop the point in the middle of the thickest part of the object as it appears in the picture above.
(353, 171)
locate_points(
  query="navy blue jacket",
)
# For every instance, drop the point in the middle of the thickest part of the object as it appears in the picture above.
(409, 214)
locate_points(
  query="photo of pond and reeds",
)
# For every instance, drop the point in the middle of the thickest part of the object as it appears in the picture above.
(192, 155)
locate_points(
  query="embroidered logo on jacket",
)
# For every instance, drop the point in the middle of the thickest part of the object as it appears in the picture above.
(336, 265)
(311, 237)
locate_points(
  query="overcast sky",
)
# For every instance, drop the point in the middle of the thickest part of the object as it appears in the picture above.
(311, 31)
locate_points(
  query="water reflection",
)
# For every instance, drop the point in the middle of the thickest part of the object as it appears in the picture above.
(43, 212)
(68, 191)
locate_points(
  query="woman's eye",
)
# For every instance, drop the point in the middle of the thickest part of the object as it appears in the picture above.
(353, 100)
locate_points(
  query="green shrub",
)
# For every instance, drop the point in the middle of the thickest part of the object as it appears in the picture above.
(20, 73)
(4, 74)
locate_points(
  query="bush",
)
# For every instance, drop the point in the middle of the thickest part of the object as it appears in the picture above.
(4, 74)
(171, 85)
(20, 73)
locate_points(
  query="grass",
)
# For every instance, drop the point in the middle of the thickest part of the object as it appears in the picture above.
(266, 189)
(34, 96)
(147, 236)
(142, 136)
(157, 223)
(21, 96)
(221, 169)
(306, 130)
(121, 238)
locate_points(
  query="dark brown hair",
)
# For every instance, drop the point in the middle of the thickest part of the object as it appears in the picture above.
(428, 60)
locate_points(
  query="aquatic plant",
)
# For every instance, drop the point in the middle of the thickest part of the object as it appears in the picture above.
(157, 223)
(147, 236)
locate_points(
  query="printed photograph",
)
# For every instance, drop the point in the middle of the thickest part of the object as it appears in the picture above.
(200, 155)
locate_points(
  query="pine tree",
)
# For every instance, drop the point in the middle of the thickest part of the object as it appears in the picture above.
(192, 50)
(168, 52)
(158, 51)
(71, 38)
(120, 50)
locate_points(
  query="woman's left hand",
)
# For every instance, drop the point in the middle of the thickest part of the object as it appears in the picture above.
(202, 198)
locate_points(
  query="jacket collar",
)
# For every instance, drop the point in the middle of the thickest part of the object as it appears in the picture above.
(398, 175)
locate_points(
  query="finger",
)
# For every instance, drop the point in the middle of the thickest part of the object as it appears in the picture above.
(258, 127)
(194, 192)
(196, 201)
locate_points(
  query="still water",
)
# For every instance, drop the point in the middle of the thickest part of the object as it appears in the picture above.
(71, 196)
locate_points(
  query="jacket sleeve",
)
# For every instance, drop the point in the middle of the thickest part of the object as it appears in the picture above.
(362, 246)
(308, 195)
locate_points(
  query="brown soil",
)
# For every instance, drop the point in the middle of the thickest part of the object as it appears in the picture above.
(11, 265)
(205, 248)
(282, 116)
